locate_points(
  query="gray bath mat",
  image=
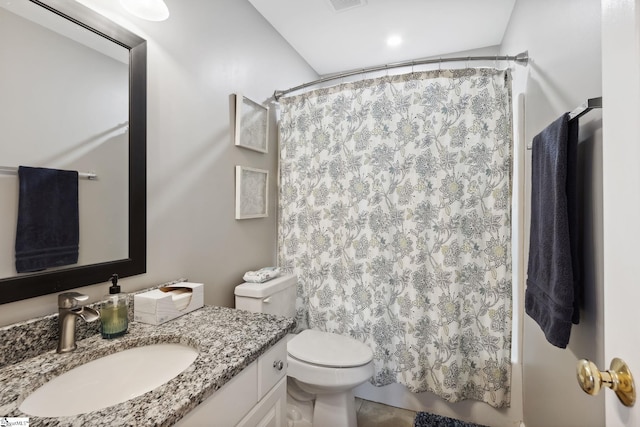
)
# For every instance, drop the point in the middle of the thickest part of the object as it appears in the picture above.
(425, 419)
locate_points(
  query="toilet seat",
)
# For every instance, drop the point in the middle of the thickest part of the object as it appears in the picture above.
(328, 350)
(317, 379)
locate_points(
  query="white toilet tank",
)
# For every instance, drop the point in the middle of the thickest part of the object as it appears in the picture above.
(276, 296)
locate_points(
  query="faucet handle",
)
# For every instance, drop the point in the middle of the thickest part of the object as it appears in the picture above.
(71, 299)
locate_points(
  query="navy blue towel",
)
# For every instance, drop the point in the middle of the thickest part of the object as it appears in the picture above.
(553, 291)
(48, 232)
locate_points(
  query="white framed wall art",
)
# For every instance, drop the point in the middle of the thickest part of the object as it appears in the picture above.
(252, 124)
(252, 193)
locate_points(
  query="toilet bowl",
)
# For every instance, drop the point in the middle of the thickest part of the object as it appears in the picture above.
(323, 365)
(329, 366)
(299, 405)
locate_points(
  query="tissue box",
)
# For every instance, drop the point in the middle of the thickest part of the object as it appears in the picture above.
(168, 302)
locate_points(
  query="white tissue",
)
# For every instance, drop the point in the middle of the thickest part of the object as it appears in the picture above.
(181, 298)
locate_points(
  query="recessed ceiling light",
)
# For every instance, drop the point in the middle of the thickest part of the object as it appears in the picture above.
(394, 41)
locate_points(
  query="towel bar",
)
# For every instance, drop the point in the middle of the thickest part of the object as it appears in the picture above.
(580, 111)
(587, 106)
(86, 175)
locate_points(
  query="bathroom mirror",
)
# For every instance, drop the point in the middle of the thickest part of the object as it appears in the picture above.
(115, 241)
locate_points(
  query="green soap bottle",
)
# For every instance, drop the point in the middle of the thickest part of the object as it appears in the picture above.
(114, 313)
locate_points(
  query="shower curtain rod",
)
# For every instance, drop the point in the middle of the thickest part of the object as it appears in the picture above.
(14, 170)
(521, 59)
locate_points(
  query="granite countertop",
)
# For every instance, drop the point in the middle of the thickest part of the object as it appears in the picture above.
(228, 340)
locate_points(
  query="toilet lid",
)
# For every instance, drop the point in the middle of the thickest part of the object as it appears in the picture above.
(327, 349)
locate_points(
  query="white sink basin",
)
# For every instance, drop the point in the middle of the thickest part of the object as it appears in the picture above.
(109, 380)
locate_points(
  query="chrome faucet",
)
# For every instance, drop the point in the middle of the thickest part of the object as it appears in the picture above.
(69, 308)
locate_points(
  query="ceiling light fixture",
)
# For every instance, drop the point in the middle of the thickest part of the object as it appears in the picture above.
(394, 41)
(150, 10)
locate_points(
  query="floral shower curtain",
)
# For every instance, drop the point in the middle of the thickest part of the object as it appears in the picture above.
(394, 212)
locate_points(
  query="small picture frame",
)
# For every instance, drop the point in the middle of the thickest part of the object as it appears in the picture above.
(252, 193)
(252, 124)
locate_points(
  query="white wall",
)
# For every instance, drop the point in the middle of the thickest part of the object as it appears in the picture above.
(563, 40)
(203, 53)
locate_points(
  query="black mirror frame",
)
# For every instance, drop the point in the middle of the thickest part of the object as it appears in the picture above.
(32, 285)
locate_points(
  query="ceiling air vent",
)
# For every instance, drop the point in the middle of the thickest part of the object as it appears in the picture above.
(342, 5)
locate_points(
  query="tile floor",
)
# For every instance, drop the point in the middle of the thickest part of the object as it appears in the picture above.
(372, 414)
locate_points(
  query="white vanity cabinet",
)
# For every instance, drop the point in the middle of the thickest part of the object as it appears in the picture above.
(256, 397)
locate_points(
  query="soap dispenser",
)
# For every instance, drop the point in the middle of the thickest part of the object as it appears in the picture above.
(114, 313)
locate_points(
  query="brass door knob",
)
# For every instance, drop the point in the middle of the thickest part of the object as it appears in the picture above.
(618, 378)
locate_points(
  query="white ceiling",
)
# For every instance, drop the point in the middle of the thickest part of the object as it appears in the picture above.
(333, 41)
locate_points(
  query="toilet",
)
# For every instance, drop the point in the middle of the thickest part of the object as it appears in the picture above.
(323, 365)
